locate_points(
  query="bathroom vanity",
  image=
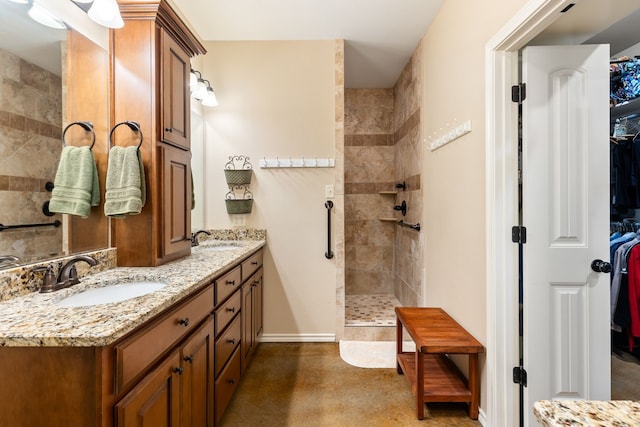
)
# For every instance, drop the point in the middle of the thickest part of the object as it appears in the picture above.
(171, 357)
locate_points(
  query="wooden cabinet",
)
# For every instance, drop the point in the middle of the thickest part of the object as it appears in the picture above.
(156, 400)
(150, 85)
(179, 368)
(238, 326)
(251, 316)
(175, 182)
(175, 93)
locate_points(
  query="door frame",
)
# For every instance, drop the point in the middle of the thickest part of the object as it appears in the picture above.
(501, 160)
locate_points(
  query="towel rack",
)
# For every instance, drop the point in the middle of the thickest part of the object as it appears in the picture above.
(55, 223)
(134, 126)
(87, 126)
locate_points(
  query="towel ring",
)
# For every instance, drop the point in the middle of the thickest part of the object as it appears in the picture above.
(87, 126)
(134, 126)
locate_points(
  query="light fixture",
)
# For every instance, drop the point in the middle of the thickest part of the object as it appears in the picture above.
(106, 13)
(193, 80)
(44, 17)
(210, 100)
(201, 89)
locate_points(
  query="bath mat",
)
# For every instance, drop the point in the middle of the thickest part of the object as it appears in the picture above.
(372, 354)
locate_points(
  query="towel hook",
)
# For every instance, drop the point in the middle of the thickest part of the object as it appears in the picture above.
(134, 126)
(87, 126)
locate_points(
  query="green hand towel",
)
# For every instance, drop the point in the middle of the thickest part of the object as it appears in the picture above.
(76, 186)
(126, 190)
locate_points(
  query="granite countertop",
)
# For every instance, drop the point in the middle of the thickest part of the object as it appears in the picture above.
(587, 413)
(35, 319)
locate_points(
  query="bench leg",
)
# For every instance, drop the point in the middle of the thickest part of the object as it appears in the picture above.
(420, 384)
(398, 344)
(474, 386)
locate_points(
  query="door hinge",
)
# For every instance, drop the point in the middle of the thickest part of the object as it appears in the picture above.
(520, 376)
(519, 234)
(519, 93)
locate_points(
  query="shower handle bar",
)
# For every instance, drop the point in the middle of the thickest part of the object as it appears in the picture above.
(329, 205)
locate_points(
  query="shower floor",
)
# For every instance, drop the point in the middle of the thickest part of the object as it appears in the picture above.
(370, 310)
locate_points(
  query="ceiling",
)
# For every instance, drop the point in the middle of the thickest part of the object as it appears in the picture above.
(380, 35)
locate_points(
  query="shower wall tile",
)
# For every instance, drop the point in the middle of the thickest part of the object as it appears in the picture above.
(30, 129)
(409, 244)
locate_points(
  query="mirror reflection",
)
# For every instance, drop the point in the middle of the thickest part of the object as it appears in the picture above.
(37, 97)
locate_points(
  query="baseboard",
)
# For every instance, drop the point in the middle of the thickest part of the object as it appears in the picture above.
(298, 338)
(482, 417)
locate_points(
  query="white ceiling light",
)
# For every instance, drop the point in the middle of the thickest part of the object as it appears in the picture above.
(106, 13)
(44, 17)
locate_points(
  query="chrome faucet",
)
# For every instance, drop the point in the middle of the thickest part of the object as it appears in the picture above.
(194, 237)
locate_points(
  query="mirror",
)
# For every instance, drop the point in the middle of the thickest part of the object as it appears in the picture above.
(48, 78)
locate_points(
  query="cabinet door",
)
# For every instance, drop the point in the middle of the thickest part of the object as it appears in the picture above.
(197, 379)
(175, 93)
(176, 202)
(155, 401)
(251, 316)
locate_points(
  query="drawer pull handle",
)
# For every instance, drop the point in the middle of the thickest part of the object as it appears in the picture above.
(256, 283)
(168, 130)
(231, 340)
(254, 262)
(231, 282)
(188, 358)
(184, 322)
(231, 381)
(179, 370)
(231, 309)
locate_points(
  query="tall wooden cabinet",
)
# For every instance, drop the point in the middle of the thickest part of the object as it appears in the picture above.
(150, 85)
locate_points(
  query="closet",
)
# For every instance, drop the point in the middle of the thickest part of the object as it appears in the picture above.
(625, 207)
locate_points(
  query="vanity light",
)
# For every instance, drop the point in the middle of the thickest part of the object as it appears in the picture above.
(210, 100)
(193, 80)
(201, 89)
(44, 17)
(106, 13)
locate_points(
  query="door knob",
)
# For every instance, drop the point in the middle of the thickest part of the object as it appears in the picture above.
(600, 266)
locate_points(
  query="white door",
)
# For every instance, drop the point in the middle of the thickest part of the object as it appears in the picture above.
(566, 213)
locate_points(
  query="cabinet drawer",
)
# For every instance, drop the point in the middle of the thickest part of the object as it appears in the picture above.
(226, 284)
(227, 311)
(251, 264)
(226, 344)
(226, 385)
(136, 353)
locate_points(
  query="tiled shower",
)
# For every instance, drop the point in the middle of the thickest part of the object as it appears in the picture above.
(382, 151)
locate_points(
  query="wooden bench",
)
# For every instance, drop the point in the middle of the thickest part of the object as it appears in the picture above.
(433, 377)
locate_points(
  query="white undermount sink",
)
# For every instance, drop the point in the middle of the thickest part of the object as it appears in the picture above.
(111, 293)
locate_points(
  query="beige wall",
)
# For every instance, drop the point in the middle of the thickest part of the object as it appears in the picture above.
(277, 99)
(454, 175)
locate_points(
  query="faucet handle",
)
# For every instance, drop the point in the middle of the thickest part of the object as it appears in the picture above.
(73, 276)
(48, 279)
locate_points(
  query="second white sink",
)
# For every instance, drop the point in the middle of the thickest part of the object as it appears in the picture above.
(110, 293)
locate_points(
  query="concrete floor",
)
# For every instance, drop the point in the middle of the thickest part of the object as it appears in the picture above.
(308, 384)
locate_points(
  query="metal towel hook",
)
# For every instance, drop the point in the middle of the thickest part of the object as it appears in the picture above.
(134, 126)
(87, 126)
